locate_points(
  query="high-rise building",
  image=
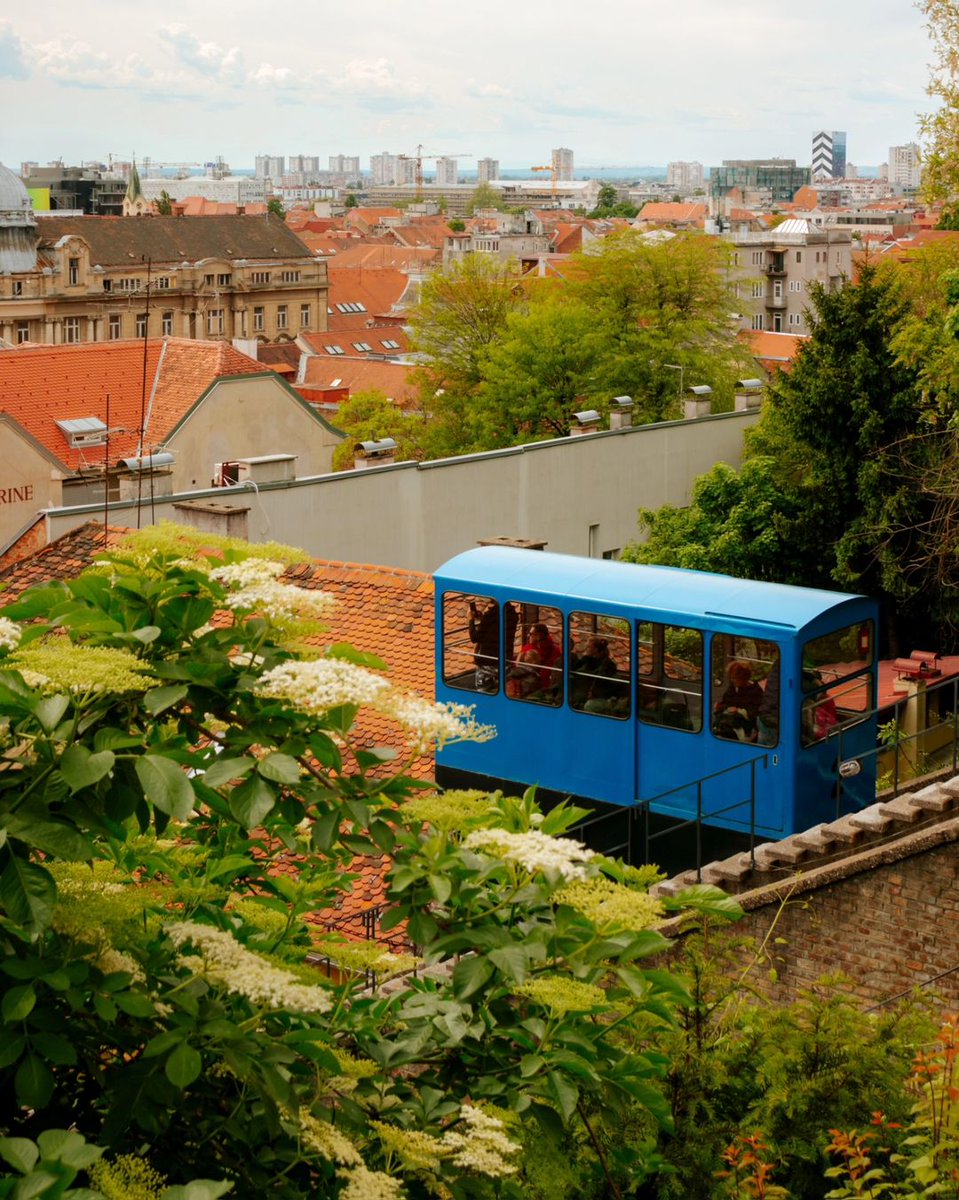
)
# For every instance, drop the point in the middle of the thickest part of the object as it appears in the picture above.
(904, 168)
(447, 172)
(684, 176)
(304, 164)
(269, 166)
(772, 179)
(829, 154)
(487, 169)
(563, 163)
(345, 164)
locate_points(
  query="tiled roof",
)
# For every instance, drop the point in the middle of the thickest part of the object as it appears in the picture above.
(680, 214)
(371, 332)
(40, 385)
(774, 350)
(62, 559)
(324, 372)
(169, 241)
(386, 254)
(375, 290)
(200, 206)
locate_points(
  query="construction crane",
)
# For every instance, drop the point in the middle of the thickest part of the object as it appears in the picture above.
(419, 156)
(552, 178)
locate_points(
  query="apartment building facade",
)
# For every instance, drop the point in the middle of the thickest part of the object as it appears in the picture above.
(685, 177)
(487, 169)
(562, 163)
(904, 166)
(829, 154)
(98, 279)
(772, 272)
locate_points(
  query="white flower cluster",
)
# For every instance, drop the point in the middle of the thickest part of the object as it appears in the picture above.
(254, 586)
(317, 685)
(10, 633)
(320, 684)
(484, 1147)
(327, 1141)
(533, 850)
(244, 973)
(364, 1184)
(434, 724)
(110, 960)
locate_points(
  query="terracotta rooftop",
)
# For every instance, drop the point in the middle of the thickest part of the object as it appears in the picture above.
(364, 253)
(774, 351)
(358, 374)
(200, 206)
(382, 337)
(169, 241)
(669, 213)
(358, 294)
(40, 385)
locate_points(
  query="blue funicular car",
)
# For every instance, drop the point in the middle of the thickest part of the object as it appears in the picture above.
(749, 706)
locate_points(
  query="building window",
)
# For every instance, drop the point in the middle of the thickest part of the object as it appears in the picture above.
(759, 289)
(758, 258)
(71, 329)
(281, 316)
(363, 346)
(260, 277)
(291, 276)
(214, 321)
(389, 344)
(17, 287)
(73, 270)
(23, 332)
(795, 318)
(113, 327)
(333, 349)
(124, 285)
(735, 258)
(141, 325)
(209, 280)
(799, 256)
(224, 280)
(758, 321)
(305, 316)
(259, 322)
(166, 324)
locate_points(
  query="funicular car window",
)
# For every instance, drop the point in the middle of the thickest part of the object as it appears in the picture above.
(746, 693)
(670, 668)
(837, 680)
(599, 664)
(471, 636)
(534, 653)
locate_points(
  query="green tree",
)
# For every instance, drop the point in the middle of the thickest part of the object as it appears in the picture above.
(484, 195)
(461, 313)
(275, 206)
(372, 416)
(457, 225)
(160, 768)
(164, 204)
(352, 200)
(940, 129)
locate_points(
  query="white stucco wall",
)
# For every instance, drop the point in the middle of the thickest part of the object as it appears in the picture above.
(580, 495)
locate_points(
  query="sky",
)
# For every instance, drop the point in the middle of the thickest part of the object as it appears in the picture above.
(624, 83)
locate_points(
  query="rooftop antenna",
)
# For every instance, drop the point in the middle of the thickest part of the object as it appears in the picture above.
(143, 390)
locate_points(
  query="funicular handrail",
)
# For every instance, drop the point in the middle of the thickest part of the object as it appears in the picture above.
(643, 807)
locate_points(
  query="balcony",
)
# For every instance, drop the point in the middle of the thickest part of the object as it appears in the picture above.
(776, 266)
(774, 301)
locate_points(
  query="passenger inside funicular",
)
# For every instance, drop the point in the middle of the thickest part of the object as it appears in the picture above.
(745, 674)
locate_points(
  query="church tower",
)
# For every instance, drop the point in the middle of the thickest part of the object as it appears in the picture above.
(135, 204)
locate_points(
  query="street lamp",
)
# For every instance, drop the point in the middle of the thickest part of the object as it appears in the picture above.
(681, 370)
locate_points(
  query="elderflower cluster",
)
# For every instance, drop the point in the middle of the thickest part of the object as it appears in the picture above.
(562, 995)
(321, 684)
(484, 1147)
(534, 851)
(61, 665)
(364, 1184)
(10, 633)
(244, 973)
(433, 724)
(110, 961)
(610, 905)
(128, 1176)
(418, 1151)
(451, 811)
(326, 1140)
(254, 586)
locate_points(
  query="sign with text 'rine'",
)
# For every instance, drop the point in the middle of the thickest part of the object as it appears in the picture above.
(16, 495)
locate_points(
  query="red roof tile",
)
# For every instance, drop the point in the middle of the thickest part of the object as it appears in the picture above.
(40, 385)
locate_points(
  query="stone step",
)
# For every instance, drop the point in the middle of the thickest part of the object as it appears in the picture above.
(872, 819)
(817, 840)
(933, 798)
(844, 831)
(901, 808)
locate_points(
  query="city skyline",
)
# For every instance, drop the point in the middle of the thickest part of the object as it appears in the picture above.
(185, 83)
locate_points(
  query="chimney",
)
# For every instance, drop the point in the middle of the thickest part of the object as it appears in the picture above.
(584, 422)
(749, 394)
(621, 412)
(367, 455)
(208, 517)
(699, 401)
(266, 468)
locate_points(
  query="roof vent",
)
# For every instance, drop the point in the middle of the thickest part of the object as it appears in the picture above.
(374, 454)
(699, 402)
(84, 431)
(621, 412)
(587, 421)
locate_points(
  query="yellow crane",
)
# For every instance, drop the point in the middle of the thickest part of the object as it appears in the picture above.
(552, 178)
(420, 155)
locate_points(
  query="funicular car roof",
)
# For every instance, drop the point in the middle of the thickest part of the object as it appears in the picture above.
(673, 590)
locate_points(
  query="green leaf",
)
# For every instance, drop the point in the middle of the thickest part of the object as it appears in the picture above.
(513, 961)
(82, 769)
(564, 1093)
(469, 975)
(33, 1082)
(281, 768)
(198, 1189)
(20, 1153)
(54, 1048)
(251, 801)
(147, 634)
(18, 1002)
(183, 1066)
(28, 893)
(68, 1147)
(165, 785)
(159, 699)
(49, 711)
(708, 900)
(360, 657)
(441, 887)
(225, 770)
(56, 838)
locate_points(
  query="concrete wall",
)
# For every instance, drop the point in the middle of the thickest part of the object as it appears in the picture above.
(29, 481)
(580, 494)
